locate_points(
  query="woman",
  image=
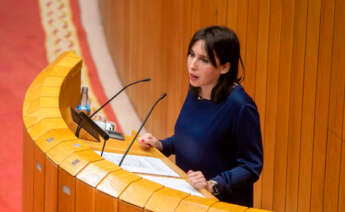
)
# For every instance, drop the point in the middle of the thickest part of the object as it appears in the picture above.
(217, 138)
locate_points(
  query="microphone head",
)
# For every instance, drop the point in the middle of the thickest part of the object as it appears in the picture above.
(163, 95)
(146, 79)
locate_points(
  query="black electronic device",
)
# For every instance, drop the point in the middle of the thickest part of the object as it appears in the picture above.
(84, 122)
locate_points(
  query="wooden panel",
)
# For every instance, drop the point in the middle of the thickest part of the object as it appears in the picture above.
(251, 47)
(291, 51)
(84, 193)
(336, 113)
(166, 199)
(232, 14)
(66, 192)
(105, 203)
(116, 182)
(28, 172)
(341, 201)
(39, 179)
(242, 26)
(285, 55)
(222, 206)
(118, 12)
(126, 207)
(261, 83)
(331, 184)
(205, 13)
(176, 23)
(140, 192)
(271, 103)
(51, 186)
(322, 108)
(308, 108)
(194, 203)
(296, 101)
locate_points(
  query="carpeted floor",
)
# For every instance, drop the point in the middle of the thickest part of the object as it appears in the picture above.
(24, 52)
(22, 56)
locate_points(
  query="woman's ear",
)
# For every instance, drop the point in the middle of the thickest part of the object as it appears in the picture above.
(225, 68)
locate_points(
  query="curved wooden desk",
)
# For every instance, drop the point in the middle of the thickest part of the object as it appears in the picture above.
(63, 173)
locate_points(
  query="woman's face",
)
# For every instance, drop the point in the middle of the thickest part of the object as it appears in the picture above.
(201, 71)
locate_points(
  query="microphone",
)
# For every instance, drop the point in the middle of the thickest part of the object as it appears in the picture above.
(130, 84)
(100, 108)
(141, 127)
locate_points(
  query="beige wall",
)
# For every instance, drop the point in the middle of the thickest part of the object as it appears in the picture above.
(294, 53)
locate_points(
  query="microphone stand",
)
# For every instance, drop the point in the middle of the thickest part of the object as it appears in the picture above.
(94, 113)
(142, 125)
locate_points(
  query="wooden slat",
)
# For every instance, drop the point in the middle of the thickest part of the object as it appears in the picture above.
(105, 203)
(166, 199)
(28, 172)
(84, 193)
(66, 192)
(308, 108)
(51, 186)
(39, 179)
(175, 25)
(341, 200)
(331, 184)
(271, 103)
(322, 109)
(286, 43)
(295, 112)
(152, 44)
(118, 13)
(126, 207)
(242, 27)
(251, 47)
(261, 82)
(336, 114)
(232, 14)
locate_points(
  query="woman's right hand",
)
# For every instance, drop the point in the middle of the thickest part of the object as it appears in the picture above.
(147, 141)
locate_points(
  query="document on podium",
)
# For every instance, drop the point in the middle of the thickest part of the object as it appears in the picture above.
(140, 164)
(178, 184)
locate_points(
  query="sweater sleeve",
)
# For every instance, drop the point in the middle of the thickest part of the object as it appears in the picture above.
(249, 159)
(168, 146)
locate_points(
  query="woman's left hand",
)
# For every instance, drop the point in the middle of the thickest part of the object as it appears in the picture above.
(197, 179)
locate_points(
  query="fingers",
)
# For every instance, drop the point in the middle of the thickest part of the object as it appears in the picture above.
(146, 141)
(197, 179)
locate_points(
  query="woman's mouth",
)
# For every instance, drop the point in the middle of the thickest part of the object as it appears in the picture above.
(193, 77)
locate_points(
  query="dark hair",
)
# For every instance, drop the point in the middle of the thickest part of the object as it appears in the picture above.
(223, 43)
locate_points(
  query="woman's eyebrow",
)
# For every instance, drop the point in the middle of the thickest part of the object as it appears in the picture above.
(204, 56)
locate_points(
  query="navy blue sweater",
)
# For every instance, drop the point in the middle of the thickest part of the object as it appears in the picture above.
(223, 141)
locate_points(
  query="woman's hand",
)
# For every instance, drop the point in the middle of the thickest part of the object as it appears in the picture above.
(197, 179)
(147, 141)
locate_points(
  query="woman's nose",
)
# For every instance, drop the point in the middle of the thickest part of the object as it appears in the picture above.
(193, 63)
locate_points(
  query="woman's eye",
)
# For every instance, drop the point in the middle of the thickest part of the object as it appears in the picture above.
(204, 60)
(191, 54)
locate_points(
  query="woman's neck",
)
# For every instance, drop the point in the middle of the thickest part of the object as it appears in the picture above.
(205, 92)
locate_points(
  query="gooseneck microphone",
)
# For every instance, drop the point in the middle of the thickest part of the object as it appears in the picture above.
(142, 125)
(100, 108)
(130, 84)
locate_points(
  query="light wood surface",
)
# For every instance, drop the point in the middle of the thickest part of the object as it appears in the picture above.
(64, 173)
(294, 53)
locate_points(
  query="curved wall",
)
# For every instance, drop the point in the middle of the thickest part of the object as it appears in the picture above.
(294, 53)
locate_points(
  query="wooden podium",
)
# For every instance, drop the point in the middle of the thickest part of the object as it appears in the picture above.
(63, 173)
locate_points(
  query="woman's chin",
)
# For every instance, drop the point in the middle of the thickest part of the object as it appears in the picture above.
(194, 83)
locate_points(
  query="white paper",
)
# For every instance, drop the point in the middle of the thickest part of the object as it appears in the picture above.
(178, 184)
(140, 164)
